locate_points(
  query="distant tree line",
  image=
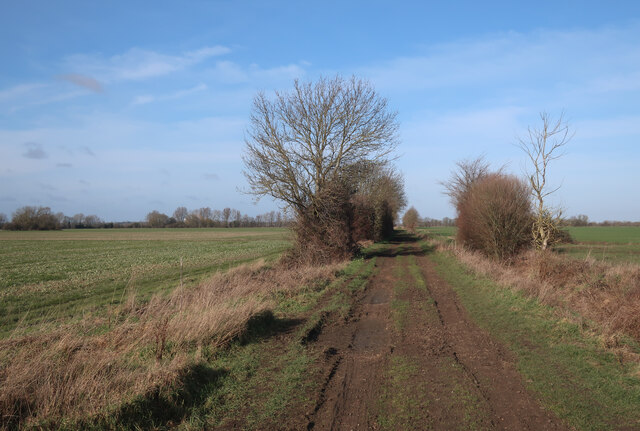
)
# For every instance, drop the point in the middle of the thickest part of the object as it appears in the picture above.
(206, 217)
(583, 220)
(42, 218)
(432, 222)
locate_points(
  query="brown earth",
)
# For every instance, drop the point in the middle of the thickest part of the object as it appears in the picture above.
(409, 357)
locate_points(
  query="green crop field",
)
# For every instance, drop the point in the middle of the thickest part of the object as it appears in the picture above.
(606, 234)
(48, 276)
(617, 244)
(441, 232)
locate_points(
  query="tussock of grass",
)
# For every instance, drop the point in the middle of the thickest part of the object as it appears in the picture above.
(90, 367)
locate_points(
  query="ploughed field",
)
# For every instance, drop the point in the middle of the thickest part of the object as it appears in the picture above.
(61, 275)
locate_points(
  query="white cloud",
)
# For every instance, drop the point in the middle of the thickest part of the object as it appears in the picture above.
(143, 100)
(19, 91)
(147, 98)
(138, 64)
(549, 60)
(229, 72)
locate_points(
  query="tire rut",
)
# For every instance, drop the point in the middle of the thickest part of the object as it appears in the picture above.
(431, 369)
(488, 364)
(363, 345)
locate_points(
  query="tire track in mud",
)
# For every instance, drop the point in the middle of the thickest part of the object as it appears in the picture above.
(491, 367)
(362, 346)
(409, 357)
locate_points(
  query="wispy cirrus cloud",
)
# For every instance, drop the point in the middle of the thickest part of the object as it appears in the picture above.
(229, 72)
(508, 65)
(19, 91)
(138, 64)
(147, 98)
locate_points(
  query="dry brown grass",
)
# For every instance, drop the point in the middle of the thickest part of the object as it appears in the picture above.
(582, 291)
(76, 370)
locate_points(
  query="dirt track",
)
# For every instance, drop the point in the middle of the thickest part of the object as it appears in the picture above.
(409, 357)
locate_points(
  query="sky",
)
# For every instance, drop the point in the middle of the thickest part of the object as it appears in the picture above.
(120, 108)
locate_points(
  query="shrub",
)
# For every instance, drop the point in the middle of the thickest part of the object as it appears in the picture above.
(383, 221)
(33, 218)
(323, 230)
(410, 219)
(494, 216)
(363, 219)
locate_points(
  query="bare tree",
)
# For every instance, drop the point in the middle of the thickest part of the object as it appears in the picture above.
(193, 219)
(304, 139)
(301, 147)
(544, 145)
(157, 219)
(92, 221)
(410, 219)
(217, 217)
(205, 215)
(226, 213)
(180, 214)
(33, 218)
(78, 220)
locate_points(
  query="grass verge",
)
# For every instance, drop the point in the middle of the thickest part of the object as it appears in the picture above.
(574, 376)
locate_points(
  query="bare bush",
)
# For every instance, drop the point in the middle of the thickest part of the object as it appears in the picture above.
(465, 175)
(323, 231)
(33, 218)
(379, 189)
(157, 219)
(494, 216)
(410, 219)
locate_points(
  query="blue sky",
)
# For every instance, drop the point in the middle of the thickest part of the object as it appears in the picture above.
(117, 109)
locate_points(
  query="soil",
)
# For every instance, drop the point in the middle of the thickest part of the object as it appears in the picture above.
(410, 357)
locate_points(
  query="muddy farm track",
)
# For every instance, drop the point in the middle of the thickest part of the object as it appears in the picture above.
(409, 357)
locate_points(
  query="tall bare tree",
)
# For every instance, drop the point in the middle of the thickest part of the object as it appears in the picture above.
(303, 139)
(542, 146)
(301, 149)
(180, 214)
(226, 213)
